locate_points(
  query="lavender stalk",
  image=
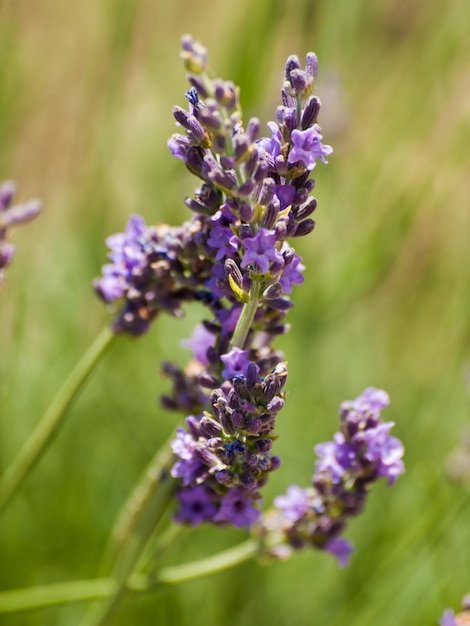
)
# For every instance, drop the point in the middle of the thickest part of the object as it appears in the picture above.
(52, 420)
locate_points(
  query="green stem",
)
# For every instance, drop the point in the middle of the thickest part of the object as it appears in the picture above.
(83, 590)
(52, 595)
(136, 524)
(246, 317)
(211, 565)
(52, 420)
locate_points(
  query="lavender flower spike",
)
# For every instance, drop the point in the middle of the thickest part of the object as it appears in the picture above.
(361, 453)
(11, 216)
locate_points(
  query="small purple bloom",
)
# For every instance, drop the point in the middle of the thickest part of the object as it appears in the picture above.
(291, 274)
(224, 241)
(229, 318)
(237, 509)
(371, 399)
(307, 147)
(335, 457)
(260, 249)
(448, 618)
(179, 146)
(385, 451)
(236, 362)
(272, 146)
(341, 549)
(198, 505)
(285, 195)
(201, 340)
(294, 504)
(126, 254)
(190, 471)
(184, 444)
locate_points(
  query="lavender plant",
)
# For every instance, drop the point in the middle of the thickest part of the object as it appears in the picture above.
(235, 256)
(11, 216)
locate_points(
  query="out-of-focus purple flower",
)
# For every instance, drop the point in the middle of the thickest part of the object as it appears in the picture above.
(448, 618)
(237, 509)
(335, 457)
(341, 549)
(11, 216)
(236, 362)
(294, 504)
(371, 399)
(307, 147)
(260, 250)
(127, 254)
(201, 340)
(385, 451)
(197, 505)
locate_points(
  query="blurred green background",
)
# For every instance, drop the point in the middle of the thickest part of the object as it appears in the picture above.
(86, 91)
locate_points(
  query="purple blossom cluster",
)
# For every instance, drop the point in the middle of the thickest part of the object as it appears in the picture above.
(360, 453)
(234, 256)
(262, 187)
(11, 216)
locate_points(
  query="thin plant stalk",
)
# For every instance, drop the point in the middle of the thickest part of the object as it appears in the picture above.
(140, 517)
(52, 420)
(101, 588)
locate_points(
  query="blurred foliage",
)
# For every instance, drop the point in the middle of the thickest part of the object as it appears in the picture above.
(86, 91)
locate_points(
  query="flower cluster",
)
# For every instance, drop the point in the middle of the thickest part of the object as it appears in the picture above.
(234, 256)
(262, 188)
(449, 618)
(362, 452)
(11, 216)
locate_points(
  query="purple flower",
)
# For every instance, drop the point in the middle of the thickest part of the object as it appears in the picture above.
(11, 216)
(385, 451)
(127, 254)
(201, 340)
(237, 509)
(273, 145)
(285, 195)
(307, 147)
(371, 399)
(341, 549)
(197, 505)
(236, 362)
(294, 504)
(224, 241)
(291, 274)
(184, 444)
(448, 618)
(335, 457)
(260, 249)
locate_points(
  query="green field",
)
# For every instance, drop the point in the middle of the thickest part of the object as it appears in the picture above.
(86, 91)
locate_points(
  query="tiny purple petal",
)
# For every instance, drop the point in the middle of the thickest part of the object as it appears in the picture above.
(448, 618)
(197, 505)
(291, 275)
(335, 457)
(236, 363)
(285, 195)
(273, 145)
(201, 340)
(307, 147)
(237, 509)
(260, 249)
(294, 503)
(341, 549)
